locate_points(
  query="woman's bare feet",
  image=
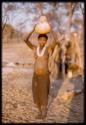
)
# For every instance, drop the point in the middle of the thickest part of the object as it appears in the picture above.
(44, 112)
(39, 116)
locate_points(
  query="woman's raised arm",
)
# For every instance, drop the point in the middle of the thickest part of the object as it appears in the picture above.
(26, 40)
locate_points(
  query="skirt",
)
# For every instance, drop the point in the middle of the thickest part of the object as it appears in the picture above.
(40, 89)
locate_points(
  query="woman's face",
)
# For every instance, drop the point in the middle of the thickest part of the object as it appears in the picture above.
(42, 41)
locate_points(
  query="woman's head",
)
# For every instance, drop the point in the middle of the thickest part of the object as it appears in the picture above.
(42, 39)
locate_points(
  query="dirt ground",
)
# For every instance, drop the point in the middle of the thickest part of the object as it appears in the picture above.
(17, 102)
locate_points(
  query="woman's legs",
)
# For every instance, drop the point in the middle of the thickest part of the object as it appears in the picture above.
(40, 94)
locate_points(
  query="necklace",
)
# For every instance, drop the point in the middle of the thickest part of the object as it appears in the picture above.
(40, 54)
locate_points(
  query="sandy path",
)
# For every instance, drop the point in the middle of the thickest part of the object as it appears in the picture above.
(17, 101)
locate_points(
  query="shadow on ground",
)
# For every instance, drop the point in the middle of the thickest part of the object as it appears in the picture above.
(76, 107)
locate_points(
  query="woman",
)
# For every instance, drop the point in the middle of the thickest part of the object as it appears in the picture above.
(41, 76)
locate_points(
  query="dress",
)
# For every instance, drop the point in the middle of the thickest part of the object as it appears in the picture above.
(41, 81)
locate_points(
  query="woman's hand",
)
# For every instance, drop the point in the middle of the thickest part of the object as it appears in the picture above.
(34, 28)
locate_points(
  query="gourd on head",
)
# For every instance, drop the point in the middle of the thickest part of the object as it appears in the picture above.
(43, 26)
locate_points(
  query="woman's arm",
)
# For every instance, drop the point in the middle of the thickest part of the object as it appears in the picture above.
(28, 42)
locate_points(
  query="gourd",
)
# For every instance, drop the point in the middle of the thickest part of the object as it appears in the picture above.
(43, 26)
